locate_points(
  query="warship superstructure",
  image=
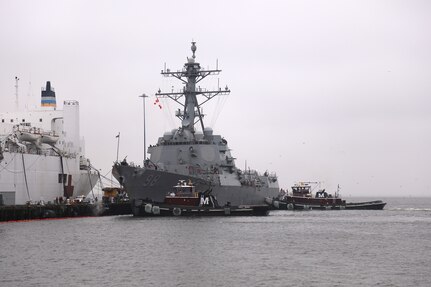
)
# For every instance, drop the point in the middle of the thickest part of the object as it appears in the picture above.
(193, 152)
(42, 153)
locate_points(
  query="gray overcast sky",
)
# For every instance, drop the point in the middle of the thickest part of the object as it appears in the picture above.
(332, 91)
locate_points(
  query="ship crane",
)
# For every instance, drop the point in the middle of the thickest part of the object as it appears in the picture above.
(190, 75)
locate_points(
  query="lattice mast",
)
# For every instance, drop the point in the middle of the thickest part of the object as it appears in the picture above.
(190, 76)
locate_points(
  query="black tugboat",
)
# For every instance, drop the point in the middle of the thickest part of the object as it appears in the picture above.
(184, 200)
(302, 198)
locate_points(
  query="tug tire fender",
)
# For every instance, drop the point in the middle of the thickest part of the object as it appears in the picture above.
(176, 211)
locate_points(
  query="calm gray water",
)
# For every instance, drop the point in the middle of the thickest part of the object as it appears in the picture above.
(305, 248)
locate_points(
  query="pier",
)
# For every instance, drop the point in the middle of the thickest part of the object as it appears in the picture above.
(30, 212)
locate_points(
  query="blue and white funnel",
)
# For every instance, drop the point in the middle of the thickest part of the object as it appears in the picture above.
(48, 97)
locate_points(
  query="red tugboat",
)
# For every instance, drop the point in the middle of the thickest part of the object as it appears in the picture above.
(302, 198)
(184, 194)
(185, 200)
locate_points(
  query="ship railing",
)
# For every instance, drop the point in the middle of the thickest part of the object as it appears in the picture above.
(187, 143)
(199, 142)
(71, 103)
(32, 130)
(50, 133)
(28, 149)
(69, 154)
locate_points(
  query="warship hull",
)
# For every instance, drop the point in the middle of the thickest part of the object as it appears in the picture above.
(149, 184)
(192, 152)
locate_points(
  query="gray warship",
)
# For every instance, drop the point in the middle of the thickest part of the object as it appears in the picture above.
(193, 153)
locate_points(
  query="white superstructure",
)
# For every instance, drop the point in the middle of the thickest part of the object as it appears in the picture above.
(42, 153)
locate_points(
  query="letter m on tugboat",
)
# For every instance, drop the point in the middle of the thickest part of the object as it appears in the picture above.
(204, 201)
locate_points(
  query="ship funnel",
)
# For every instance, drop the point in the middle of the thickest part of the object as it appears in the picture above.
(48, 96)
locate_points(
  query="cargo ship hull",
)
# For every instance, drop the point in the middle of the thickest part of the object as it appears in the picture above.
(32, 178)
(42, 153)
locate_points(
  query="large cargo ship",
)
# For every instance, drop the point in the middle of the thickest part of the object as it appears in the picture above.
(193, 153)
(42, 153)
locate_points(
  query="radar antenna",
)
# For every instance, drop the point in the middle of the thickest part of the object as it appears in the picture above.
(190, 75)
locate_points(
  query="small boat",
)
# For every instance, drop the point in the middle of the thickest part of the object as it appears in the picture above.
(184, 200)
(376, 204)
(302, 198)
(28, 135)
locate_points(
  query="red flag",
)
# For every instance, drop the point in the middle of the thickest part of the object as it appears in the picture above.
(157, 102)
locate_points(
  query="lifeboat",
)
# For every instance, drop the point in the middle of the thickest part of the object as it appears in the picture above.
(49, 139)
(28, 136)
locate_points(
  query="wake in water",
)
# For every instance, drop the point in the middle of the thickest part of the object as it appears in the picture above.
(410, 209)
